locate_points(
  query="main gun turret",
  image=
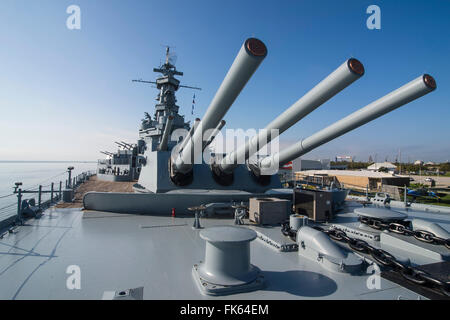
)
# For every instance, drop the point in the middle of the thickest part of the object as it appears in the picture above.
(179, 165)
(342, 77)
(252, 53)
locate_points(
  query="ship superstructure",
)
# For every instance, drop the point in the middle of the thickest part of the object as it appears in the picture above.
(154, 132)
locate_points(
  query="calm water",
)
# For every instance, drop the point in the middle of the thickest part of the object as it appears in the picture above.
(32, 174)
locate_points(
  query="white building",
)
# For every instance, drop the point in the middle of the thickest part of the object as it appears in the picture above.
(354, 179)
(287, 171)
(344, 158)
(418, 163)
(378, 165)
(303, 164)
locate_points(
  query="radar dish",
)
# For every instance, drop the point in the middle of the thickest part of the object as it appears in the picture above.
(173, 58)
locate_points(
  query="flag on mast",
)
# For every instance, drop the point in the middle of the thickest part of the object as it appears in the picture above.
(193, 103)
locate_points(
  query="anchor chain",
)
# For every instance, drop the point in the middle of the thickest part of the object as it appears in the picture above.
(404, 228)
(384, 258)
(288, 232)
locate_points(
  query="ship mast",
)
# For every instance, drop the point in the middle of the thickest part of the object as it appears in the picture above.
(166, 110)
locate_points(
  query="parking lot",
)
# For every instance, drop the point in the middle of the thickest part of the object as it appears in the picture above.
(443, 182)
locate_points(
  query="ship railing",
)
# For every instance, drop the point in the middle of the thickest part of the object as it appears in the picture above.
(15, 211)
(115, 161)
(324, 181)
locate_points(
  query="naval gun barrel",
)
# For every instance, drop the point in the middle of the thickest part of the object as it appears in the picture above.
(214, 133)
(165, 137)
(342, 77)
(190, 133)
(121, 145)
(128, 144)
(403, 95)
(107, 153)
(250, 56)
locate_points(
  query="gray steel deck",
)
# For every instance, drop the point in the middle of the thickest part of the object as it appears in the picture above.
(120, 251)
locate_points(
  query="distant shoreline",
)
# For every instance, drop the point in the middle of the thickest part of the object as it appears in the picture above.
(43, 161)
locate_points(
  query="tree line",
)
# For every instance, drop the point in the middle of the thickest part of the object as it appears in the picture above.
(408, 167)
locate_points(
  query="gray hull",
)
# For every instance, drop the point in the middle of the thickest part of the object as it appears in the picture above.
(163, 203)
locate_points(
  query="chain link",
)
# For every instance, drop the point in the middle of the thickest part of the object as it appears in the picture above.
(424, 236)
(288, 232)
(386, 259)
(400, 228)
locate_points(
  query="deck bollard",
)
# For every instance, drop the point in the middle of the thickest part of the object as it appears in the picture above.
(198, 211)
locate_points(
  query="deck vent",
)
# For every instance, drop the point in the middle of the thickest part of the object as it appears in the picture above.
(227, 268)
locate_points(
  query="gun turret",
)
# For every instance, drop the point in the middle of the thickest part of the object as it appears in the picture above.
(342, 77)
(405, 94)
(252, 53)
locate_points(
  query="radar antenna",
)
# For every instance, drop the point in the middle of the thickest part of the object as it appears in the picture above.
(171, 57)
(169, 71)
(153, 82)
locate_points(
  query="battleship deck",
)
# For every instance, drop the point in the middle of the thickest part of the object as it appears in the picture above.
(93, 184)
(122, 251)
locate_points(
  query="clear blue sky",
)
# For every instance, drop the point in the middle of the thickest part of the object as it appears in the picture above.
(66, 94)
